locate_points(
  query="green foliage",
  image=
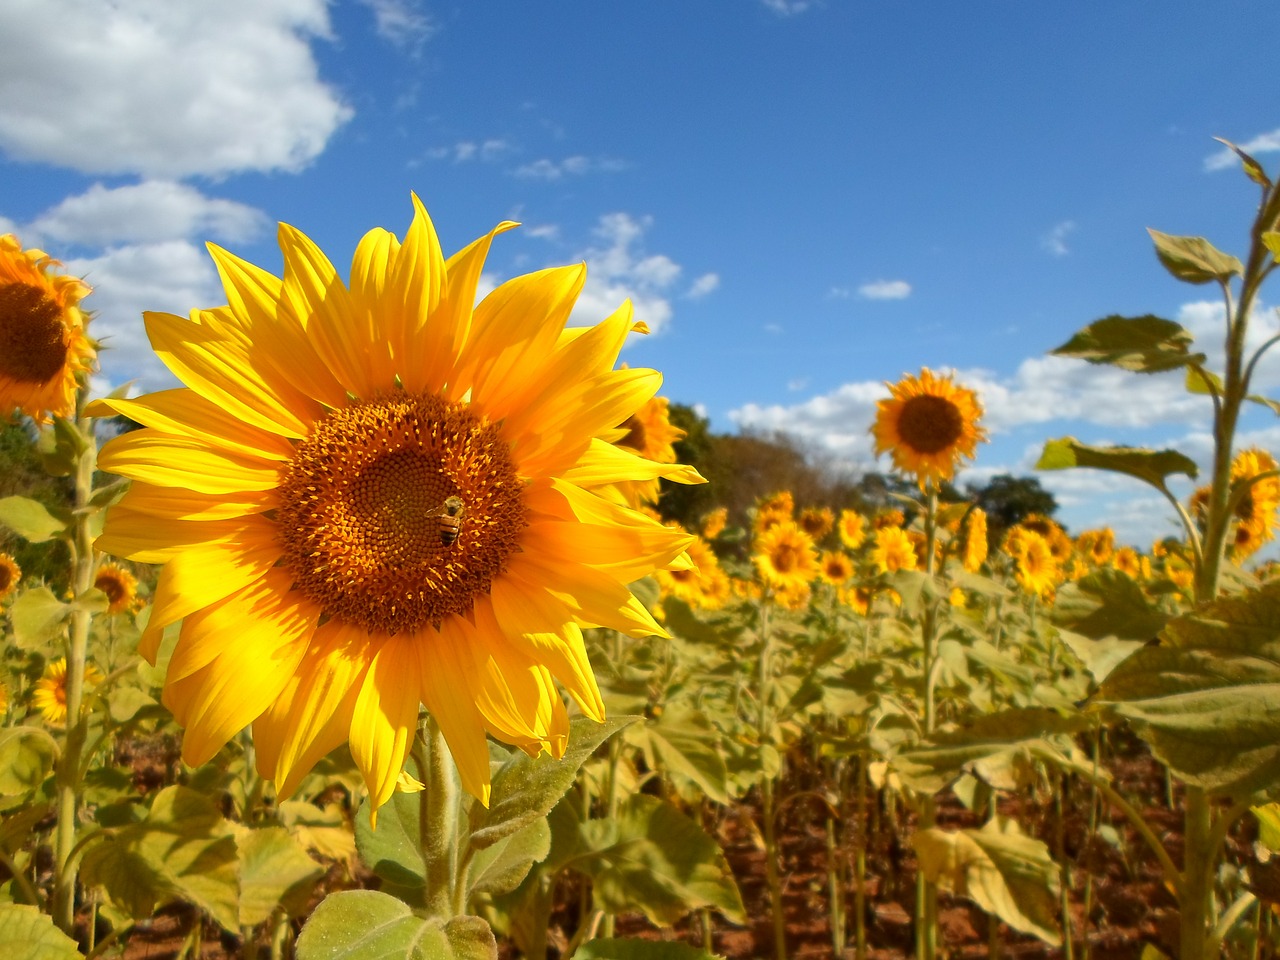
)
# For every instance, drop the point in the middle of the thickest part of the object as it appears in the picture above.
(1008, 500)
(370, 925)
(1146, 344)
(27, 934)
(1150, 466)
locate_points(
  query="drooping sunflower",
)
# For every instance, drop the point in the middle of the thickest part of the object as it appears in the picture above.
(785, 556)
(975, 540)
(43, 344)
(49, 695)
(10, 576)
(374, 495)
(120, 586)
(893, 550)
(650, 433)
(927, 425)
(713, 523)
(852, 528)
(817, 522)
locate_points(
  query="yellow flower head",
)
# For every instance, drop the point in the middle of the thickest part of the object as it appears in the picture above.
(785, 556)
(1255, 511)
(714, 522)
(49, 695)
(377, 494)
(817, 522)
(1097, 546)
(928, 424)
(772, 510)
(43, 344)
(693, 584)
(1126, 560)
(10, 575)
(1036, 571)
(120, 586)
(852, 527)
(649, 433)
(836, 568)
(893, 550)
(975, 540)
(888, 518)
(1060, 544)
(857, 599)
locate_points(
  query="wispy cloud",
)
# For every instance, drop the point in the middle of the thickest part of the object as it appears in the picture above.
(402, 22)
(704, 285)
(885, 290)
(467, 150)
(788, 8)
(1055, 241)
(1226, 158)
(574, 166)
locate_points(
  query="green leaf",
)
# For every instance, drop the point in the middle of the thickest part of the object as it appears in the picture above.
(37, 617)
(1205, 696)
(30, 519)
(28, 934)
(1271, 240)
(1194, 259)
(1267, 402)
(687, 748)
(500, 867)
(1006, 873)
(275, 872)
(526, 788)
(1252, 168)
(26, 759)
(653, 858)
(1146, 344)
(1149, 466)
(1108, 603)
(59, 446)
(1268, 825)
(184, 850)
(1102, 656)
(1202, 381)
(393, 850)
(370, 925)
(615, 948)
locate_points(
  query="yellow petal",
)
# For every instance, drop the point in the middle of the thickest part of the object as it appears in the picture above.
(603, 463)
(150, 539)
(423, 342)
(166, 461)
(386, 716)
(448, 690)
(177, 504)
(370, 267)
(458, 300)
(186, 414)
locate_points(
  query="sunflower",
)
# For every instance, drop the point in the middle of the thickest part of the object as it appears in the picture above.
(893, 551)
(1097, 546)
(785, 556)
(857, 599)
(43, 344)
(650, 434)
(49, 695)
(371, 496)
(1035, 571)
(1060, 544)
(713, 523)
(10, 575)
(772, 510)
(928, 425)
(835, 568)
(975, 540)
(694, 585)
(890, 517)
(1255, 510)
(817, 522)
(1126, 560)
(120, 586)
(852, 527)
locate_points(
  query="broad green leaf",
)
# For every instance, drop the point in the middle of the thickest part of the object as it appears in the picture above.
(1102, 656)
(1194, 259)
(323, 831)
(1268, 825)
(1107, 603)
(1271, 240)
(124, 702)
(614, 948)
(687, 748)
(275, 872)
(30, 519)
(1006, 873)
(393, 850)
(1150, 466)
(37, 617)
(653, 858)
(370, 925)
(1205, 696)
(16, 829)
(1252, 168)
(26, 759)
(526, 788)
(1202, 381)
(1002, 749)
(184, 850)
(1146, 344)
(28, 934)
(499, 867)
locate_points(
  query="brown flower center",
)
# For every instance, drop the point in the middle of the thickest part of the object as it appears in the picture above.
(369, 517)
(112, 587)
(636, 436)
(33, 342)
(930, 424)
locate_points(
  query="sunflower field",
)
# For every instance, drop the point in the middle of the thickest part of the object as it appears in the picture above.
(369, 641)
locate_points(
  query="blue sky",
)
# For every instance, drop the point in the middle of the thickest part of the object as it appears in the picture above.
(804, 199)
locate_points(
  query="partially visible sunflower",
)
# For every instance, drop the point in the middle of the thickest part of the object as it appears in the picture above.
(792, 596)
(695, 585)
(10, 575)
(1035, 569)
(1060, 544)
(817, 522)
(713, 523)
(772, 510)
(650, 434)
(1256, 507)
(836, 568)
(44, 348)
(1097, 546)
(1126, 560)
(785, 557)
(928, 425)
(975, 540)
(852, 527)
(120, 586)
(857, 599)
(889, 517)
(49, 695)
(893, 551)
(380, 494)
(4, 699)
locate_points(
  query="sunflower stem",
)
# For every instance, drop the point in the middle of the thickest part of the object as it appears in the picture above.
(68, 780)
(439, 812)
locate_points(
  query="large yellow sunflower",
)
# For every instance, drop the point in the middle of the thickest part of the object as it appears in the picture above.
(43, 344)
(371, 496)
(927, 425)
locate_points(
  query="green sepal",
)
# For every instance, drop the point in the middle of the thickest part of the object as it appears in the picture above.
(1149, 466)
(1145, 344)
(1194, 259)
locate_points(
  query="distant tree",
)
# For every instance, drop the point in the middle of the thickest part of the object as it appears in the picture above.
(1008, 500)
(689, 503)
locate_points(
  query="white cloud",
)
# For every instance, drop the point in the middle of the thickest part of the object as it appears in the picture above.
(705, 284)
(465, 150)
(1225, 158)
(839, 293)
(1055, 241)
(150, 211)
(574, 166)
(402, 22)
(787, 8)
(885, 290)
(165, 89)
